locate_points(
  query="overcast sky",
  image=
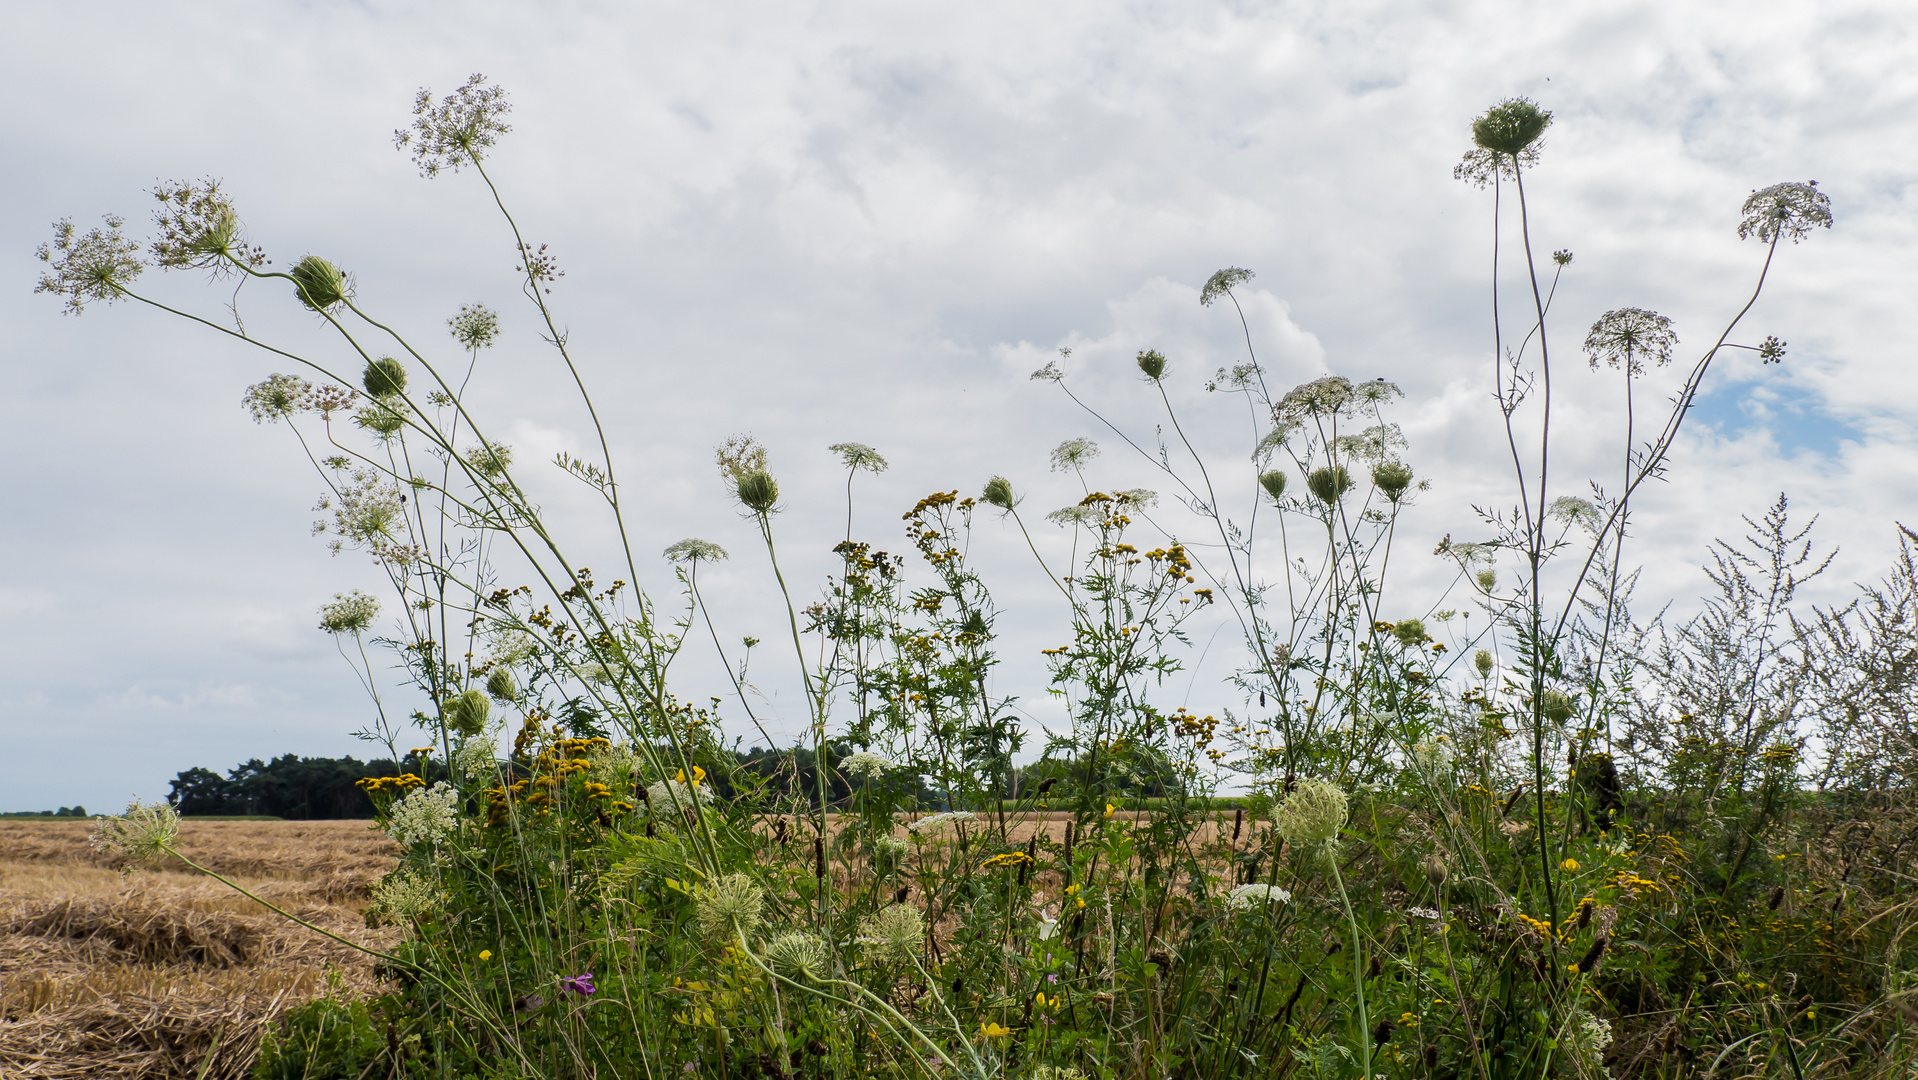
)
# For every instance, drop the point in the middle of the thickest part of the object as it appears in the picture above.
(871, 221)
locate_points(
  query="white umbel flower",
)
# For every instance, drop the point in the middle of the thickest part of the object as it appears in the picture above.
(1255, 897)
(425, 817)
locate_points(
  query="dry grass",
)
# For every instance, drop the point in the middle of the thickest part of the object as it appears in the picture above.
(163, 972)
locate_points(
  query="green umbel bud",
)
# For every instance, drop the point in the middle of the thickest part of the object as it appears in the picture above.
(1312, 814)
(384, 378)
(1557, 707)
(1410, 632)
(1274, 484)
(500, 684)
(799, 956)
(1328, 482)
(1510, 126)
(758, 490)
(319, 283)
(999, 492)
(1487, 579)
(1482, 660)
(1392, 477)
(466, 713)
(1152, 363)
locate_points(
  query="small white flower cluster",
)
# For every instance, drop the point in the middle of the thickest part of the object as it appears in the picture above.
(404, 894)
(425, 817)
(929, 825)
(865, 763)
(1251, 897)
(1432, 758)
(475, 757)
(1425, 913)
(349, 613)
(669, 799)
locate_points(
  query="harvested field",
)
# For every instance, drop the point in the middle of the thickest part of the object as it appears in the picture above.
(163, 972)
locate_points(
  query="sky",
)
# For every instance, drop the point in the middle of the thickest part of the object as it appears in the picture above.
(830, 222)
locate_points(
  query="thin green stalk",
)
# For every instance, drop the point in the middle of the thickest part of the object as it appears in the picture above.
(1358, 965)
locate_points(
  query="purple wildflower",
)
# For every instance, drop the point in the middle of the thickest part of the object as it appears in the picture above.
(578, 984)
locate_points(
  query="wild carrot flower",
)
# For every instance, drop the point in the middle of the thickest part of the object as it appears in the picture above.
(758, 491)
(865, 763)
(1273, 481)
(1255, 897)
(200, 229)
(404, 894)
(474, 326)
(1392, 478)
(474, 758)
(89, 266)
(1626, 337)
(1506, 139)
(728, 906)
(424, 817)
(859, 456)
(1791, 210)
(457, 131)
(141, 832)
(384, 378)
(998, 492)
(1073, 454)
(693, 549)
(1313, 813)
(799, 956)
(319, 284)
(894, 933)
(936, 822)
(366, 513)
(1328, 482)
(466, 712)
(349, 613)
(490, 459)
(1222, 283)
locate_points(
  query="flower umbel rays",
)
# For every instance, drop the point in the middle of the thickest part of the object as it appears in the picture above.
(459, 130)
(1222, 283)
(1790, 210)
(728, 906)
(1313, 813)
(89, 266)
(142, 832)
(859, 456)
(1626, 337)
(349, 613)
(199, 229)
(692, 549)
(476, 326)
(1506, 138)
(1074, 454)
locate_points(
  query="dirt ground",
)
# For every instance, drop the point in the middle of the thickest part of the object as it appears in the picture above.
(151, 973)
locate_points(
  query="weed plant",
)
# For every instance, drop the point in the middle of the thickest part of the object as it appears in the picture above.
(1546, 841)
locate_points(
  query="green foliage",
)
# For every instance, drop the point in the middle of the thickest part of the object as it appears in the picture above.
(1590, 849)
(328, 1039)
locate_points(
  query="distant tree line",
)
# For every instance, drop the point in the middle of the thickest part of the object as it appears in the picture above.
(292, 787)
(309, 788)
